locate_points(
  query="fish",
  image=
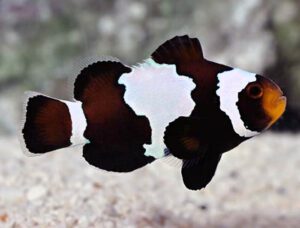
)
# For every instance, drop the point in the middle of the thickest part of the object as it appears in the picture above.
(175, 103)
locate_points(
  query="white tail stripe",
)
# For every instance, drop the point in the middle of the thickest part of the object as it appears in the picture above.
(78, 122)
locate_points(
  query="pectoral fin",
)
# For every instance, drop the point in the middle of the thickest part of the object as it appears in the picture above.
(184, 138)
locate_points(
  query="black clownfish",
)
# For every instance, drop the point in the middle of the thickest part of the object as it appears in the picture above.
(175, 102)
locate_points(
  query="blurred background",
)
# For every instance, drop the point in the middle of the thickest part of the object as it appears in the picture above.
(40, 41)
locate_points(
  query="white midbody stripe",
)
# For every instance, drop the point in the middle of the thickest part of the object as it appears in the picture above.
(159, 93)
(230, 84)
(78, 122)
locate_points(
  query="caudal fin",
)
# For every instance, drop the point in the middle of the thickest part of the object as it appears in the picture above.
(47, 124)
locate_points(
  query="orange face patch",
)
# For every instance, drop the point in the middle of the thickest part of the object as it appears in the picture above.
(273, 101)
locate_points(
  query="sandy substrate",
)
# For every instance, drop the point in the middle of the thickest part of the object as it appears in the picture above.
(256, 185)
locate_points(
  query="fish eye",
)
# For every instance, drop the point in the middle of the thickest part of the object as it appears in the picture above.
(255, 91)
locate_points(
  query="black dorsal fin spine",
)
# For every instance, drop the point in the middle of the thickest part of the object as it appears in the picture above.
(179, 49)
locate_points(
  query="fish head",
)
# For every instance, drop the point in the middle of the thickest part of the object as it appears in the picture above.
(261, 103)
(252, 102)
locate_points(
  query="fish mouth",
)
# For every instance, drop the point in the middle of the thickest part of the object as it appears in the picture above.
(276, 108)
(273, 101)
(281, 101)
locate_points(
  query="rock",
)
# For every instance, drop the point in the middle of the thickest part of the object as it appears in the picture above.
(36, 192)
(153, 196)
(10, 196)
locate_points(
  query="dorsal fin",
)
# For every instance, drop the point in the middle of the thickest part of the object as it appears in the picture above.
(186, 54)
(180, 49)
(95, 76)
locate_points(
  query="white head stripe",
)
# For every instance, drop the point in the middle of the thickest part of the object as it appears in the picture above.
(230, 84)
